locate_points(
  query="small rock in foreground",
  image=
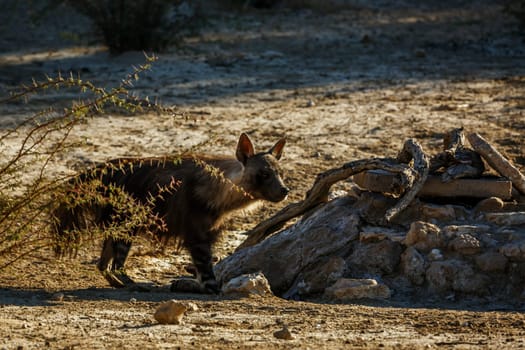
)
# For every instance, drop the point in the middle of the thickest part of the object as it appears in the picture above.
(172, 312)
(250, 284)
(57, 297)
(284, 334)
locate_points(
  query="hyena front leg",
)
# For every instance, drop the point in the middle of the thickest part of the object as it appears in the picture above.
(115, 252)
(200, 248)
(202, 259)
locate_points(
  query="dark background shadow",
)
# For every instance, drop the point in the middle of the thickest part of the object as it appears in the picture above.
(264, 51)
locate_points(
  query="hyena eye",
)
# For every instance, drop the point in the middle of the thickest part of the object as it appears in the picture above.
(264, 175)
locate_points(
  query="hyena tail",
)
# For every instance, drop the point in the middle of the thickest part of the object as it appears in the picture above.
(80, 211)
(90, 209)
(70, 225)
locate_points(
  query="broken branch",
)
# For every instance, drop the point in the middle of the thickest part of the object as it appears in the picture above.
(497, 161)
(411, 150)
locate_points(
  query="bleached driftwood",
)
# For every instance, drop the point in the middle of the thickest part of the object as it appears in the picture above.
(413, 179)
(497, 161)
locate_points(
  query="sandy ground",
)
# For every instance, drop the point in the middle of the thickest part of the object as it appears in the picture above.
(343, 85)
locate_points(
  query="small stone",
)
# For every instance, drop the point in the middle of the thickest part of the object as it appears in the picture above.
(133, 300)
(57, 297)
(192, 306)
(170, 312)
(487, 205)
(377, 257)
(435, 255)
(488, 240)
(444, 213)
(372, 206)
(465, 244)
(441, 274)
(284, 334)
(452, 231)
(492, 262)
(468, 281)
(515, 251)
(316, 279)
(508, 219)
(350, 289)
(424, 236)
(455, 275)
(250, 284)
(310, 103)
(413, 265)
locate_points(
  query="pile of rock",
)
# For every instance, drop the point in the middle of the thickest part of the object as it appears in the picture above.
(344, 250)
(336, 253)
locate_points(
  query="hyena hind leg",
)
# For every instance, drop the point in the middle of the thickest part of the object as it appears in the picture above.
(115, 252)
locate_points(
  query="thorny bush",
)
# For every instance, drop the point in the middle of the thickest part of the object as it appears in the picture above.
(28, 194)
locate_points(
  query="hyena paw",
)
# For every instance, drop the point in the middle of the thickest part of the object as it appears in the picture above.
(186, 285)
(112, 279)
(123, 277)
(211, 287)
(192, 285)
(117, 278)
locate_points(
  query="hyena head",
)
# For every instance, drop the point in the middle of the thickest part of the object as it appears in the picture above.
(262, 175)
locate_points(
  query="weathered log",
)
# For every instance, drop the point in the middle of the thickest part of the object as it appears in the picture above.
(321, 187)
(382, 181)
(497, 161)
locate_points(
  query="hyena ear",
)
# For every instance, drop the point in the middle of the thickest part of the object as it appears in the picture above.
(244, 149)
(277, 149)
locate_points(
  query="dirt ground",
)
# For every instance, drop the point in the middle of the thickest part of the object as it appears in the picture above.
(344, 84)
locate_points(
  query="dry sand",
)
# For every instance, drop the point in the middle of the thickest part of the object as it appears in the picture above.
(341, 86)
